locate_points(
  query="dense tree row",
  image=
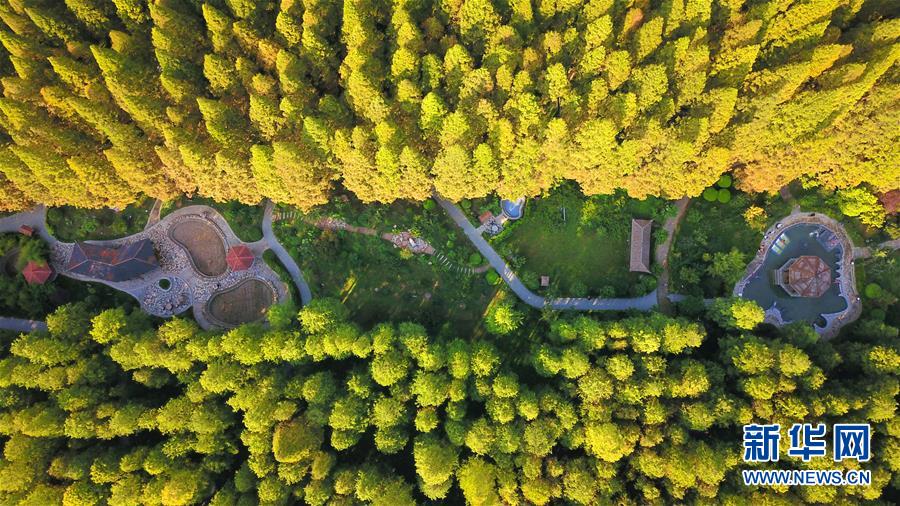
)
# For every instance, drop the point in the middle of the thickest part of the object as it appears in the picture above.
(642, 410)
(235, 99)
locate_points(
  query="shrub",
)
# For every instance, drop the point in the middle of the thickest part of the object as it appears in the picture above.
(724, 196)
(492, 277)
(724, 181)
(873, 291)
(428, 205)
(710, 194)
(475, 259)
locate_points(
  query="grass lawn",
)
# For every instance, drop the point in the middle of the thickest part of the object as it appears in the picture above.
(70, 224)
(586, 253)
(378, 282)
(245, 220)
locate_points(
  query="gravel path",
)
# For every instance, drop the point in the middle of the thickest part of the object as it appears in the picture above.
(662, 255)
(866, 252)
(153, 217)
(20, 325)
(645, 303)
(283, 256)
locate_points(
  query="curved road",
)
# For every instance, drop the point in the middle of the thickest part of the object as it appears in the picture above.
(35, 218)
(645, 303)
(286, 259)
(20, 325)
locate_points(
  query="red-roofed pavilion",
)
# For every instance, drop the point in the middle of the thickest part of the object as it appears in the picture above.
(239, 258)
(37, 274)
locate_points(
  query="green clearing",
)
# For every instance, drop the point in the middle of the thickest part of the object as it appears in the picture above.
(378, 282)
(71, 224)
(711, 228)
(585, 252)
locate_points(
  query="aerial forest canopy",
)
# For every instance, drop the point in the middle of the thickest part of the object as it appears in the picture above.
(104, 100)
(108, 409)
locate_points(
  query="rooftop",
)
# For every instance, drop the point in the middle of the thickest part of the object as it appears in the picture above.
(113, 263)
(805, 276)
(640, 245)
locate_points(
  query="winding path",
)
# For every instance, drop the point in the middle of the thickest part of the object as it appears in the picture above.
(662, 254)
(645, 303)
(283, 256)
(154, 215)
(35, 218)
(21, 325)
(866, 252)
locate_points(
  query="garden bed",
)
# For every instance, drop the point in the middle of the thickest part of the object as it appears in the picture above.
(245, 220)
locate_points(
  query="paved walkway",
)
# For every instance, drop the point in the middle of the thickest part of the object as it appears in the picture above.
(153, 216)
(20, 325)
(35, 218)
(283, 256)
(645, 303)
(662, 255)
(866, 252)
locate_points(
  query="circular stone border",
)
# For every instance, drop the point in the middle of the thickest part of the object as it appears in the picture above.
(833, 321)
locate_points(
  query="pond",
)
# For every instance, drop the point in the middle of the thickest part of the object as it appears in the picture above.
(513, 209)
(798, 240)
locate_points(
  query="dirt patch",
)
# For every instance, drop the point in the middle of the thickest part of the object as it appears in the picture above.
(246, 302)
(203, 244)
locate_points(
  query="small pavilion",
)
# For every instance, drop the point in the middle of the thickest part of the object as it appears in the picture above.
(640, 245)
(239, 258)
(804, 276)
(37, 273)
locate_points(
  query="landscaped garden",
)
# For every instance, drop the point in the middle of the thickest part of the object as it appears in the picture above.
(720, 234)
(23, 300)
(376, 280)
(581, 243)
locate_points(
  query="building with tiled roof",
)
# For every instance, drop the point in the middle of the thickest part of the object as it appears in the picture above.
(111, 263)
(640, 245)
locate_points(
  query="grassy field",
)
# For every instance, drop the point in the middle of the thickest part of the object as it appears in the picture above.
(585, 252)
(378, 282)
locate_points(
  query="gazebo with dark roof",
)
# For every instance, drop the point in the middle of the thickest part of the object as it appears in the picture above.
(804, 276)
(37, 273)
(239, 258)
(113, 264)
